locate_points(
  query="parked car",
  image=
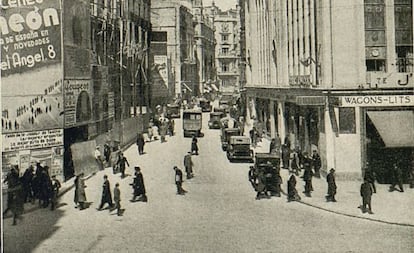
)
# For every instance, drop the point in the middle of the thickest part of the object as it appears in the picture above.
(214, 122)
(239, 149)
(268, 167)
(192, 122)
(226, 133)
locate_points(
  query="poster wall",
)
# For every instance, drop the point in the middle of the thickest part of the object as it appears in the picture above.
(31, 68)
(78, 102)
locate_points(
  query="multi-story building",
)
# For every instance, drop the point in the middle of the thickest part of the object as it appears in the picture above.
(334, 76)
(227, 32)
(69, 80)
(173, 24)
(205, 47)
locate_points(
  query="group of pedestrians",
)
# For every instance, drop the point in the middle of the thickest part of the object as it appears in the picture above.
(34, 184)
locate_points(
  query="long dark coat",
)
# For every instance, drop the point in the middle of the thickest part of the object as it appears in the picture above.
(194, 146)
(80, 194)
(106, 192)
(292, 187)
(138, 184)
(330, 178)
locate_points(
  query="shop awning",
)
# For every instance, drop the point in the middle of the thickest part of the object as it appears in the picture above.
(395, 127)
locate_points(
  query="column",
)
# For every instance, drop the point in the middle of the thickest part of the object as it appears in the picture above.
(272, 119)
(330, 141)
(300, 54)
(281, 121)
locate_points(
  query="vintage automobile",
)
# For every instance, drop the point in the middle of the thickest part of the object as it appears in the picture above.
(205, 105)
(266, 169)
(173, 111)
(220, 109)
(226, 133)
(239, 149)
(192, 122)
(214, 122)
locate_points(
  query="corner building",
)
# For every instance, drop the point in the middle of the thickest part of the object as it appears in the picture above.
(335, 76)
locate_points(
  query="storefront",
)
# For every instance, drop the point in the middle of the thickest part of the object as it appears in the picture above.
(387, 136)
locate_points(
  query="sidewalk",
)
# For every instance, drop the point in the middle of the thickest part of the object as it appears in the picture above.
(388, 207)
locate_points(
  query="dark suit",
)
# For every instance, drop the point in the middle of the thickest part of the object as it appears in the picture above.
(366, 193)
(179, 181)
(139, 187)
(330, 178)
(106, 194)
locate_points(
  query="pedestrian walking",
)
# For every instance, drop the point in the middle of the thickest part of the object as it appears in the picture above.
(292, 192)
(54, 192)
(194, 145)
(139, 187)
(45, 189)
(285, 156)
(163, 130)
(80, 194)
(12, 181)
(307, 175)
(397, 178)
(179, 181)
(27, 180)
(98, 158)
(370, 176)
(295, 162)
(107, 153)
(122, 160)
(188, 165)
(117, 199)
(316, 163)
(261, 187)
(140, 143)
(330, 178)
(366, 194)
(253, 136)
(106, 194)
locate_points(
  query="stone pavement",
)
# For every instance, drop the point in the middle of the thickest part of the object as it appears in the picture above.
(388, 207)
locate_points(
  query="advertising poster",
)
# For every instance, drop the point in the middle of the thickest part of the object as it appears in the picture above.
(31, 68)
(161, 63)
(78, 103)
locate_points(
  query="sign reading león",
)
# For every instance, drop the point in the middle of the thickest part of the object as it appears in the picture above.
(380, 100)
(32, 140)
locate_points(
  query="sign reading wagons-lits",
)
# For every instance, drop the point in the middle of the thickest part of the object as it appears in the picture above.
(378, 101)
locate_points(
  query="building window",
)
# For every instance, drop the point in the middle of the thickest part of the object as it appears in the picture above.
(375, 39)
(224, 37)
(225, 51)
(404, 35)
(375, 65)
(347, 123)
(225, 67)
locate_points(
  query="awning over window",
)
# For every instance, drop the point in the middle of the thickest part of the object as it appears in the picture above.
(395, 127)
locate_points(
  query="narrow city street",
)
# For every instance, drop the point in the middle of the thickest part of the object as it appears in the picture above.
(218, 214)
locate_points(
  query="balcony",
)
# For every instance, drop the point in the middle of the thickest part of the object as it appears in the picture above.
(228, 73)
(227, 56)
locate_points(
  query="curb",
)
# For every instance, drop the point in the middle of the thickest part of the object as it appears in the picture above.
(356, 216)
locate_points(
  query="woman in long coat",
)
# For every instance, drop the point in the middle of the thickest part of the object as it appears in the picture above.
(194, 146)
(80, 194)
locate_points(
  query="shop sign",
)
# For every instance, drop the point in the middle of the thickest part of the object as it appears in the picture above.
(380, 100)
(310, 100)
(301, 80)
(32, 140)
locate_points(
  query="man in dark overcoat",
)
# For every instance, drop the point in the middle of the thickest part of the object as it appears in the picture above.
(188, 164)
(366, 193)
(106, 194)
(179, 181)
(140, 143)
(370, 176)
(121, 164)
(54, 192)
(194, 145)
(292, 192)
(330, 178)
(138, 186)
(316, 163)
(26, 180)
(397, 178)
(307, 175)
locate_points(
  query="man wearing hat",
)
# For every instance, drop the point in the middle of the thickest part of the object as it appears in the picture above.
(188, 164)
(98, 158)
(330, 178)
(179, 181)
(138, 186)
